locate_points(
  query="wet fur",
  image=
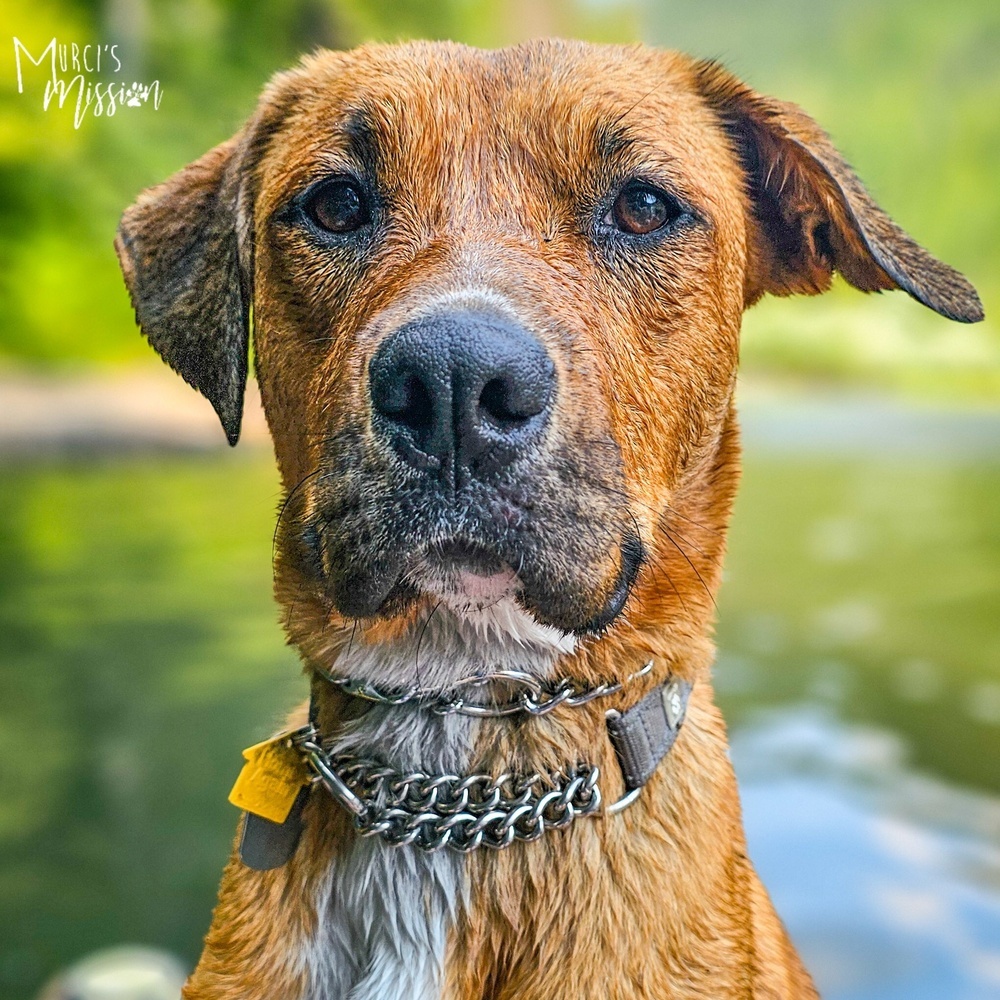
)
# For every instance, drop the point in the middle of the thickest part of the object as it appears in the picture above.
(493, 171)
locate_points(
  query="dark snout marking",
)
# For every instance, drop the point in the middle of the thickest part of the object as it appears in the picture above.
(461, 395)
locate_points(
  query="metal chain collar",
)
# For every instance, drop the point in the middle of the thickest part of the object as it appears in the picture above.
(446, 810)
(538, 699)
(463, 812)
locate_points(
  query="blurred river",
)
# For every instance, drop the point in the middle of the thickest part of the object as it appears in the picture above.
(859, 670)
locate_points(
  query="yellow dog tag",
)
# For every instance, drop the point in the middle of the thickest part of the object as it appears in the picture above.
(270, 779)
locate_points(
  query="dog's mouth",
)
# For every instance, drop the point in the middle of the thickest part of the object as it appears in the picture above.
(565, 587)
(465, 576)
(550, 541)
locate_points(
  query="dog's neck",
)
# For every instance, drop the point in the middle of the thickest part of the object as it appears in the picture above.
(454, 642)
(377, 905)
(434, 653)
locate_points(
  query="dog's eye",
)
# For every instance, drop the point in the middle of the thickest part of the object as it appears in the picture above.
(640, 209)
(339, 206)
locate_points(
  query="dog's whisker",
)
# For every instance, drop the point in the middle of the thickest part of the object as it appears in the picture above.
(284, 507)
(684, 536)
(670, 538)
(617, 121)
(420, 639)
(674, 512)
(659, 512)
(350, 641)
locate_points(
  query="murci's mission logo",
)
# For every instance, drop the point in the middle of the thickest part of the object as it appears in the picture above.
(72, 75)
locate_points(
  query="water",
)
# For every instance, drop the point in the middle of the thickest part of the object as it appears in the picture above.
(859, 670)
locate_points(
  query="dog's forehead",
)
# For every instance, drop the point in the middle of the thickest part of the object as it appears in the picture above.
(556, 106)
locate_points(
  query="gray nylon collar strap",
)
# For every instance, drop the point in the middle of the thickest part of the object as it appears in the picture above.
(643, 735)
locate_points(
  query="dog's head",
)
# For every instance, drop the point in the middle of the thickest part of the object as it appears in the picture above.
(495, 301)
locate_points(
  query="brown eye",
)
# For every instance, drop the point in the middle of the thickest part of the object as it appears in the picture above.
(641, 209)
(339, 206)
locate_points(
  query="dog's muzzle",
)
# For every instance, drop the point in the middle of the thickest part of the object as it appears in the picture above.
(455, 481)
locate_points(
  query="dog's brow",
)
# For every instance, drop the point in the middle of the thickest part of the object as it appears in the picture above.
(611, 139)
(358, 130)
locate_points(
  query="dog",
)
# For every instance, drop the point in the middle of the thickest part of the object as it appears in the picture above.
(496, 300)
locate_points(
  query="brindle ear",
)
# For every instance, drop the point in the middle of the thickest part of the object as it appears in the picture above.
(185, 248)
(813, 214)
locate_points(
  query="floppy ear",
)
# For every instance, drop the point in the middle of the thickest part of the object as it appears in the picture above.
(813, 215)
(186, 250)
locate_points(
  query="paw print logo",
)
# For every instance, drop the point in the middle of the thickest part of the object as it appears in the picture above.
(134, 96)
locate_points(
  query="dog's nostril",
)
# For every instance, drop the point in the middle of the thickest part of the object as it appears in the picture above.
(406, 400)
(501, 403)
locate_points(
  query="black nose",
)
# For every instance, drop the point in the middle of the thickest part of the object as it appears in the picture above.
(461, 393)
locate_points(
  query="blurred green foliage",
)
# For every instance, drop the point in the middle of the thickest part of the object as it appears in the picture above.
(125, 698)
(909, 91)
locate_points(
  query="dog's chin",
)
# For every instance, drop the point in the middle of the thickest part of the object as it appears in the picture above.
(472, 624)
(482, 595)
(463, 589)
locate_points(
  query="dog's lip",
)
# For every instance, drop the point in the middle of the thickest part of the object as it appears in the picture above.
(632, 556)
(464, 572)
(460, 572)
(468, 575)
(464, 557)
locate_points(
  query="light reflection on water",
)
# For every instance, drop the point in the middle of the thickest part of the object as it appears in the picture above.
(889, 881)
(859, 672)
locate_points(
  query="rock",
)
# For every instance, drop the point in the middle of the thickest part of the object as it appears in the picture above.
(126, 973)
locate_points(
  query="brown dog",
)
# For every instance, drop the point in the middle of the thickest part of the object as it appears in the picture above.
(496, 302)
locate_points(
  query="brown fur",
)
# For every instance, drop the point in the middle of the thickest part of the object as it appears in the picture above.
(486, 160)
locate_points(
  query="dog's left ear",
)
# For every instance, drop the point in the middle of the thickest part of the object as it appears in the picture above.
(813, 216)
(186, 250)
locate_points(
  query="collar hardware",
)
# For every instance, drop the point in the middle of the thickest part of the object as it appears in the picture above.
(644, 734)
(464, 812)
(433, 811)
(537, 698)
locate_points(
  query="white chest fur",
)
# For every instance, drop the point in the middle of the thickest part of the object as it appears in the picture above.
(384, 912)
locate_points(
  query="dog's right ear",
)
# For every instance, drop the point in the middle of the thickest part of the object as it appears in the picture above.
(186, 250)
(812, 215)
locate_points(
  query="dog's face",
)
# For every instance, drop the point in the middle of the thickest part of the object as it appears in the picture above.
(496, 302)
(485, 287)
